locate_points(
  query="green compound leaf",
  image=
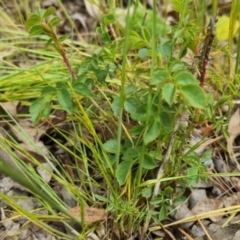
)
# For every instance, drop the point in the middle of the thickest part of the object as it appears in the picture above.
(146, 34)
(64, 99)
(110, 18)
(168, 93)
(159, 76)
(32, 21)
(148, 162)
(185, 78)
(40, 108)
(131, 105)
(165, 49)
(192, 176)
(36, 30)
(115, 106)
(130, 154)
(110, 145)
(176, 66)
(151, 132)
(62, 38)
(50, 11)
(48, 90)
(54, 21)
(123, 170)
(143, 53)
(195, 95)
(36, 109)
(163, 213)
(83, 89)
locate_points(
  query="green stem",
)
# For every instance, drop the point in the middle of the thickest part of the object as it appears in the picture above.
(238, 54)
(149, 104)
(58, 46)
(123, 80)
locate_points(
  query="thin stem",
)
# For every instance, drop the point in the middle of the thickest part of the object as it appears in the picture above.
(149, 107)
(238, 53)
(166, 158)
(59, 48)
(233, 19)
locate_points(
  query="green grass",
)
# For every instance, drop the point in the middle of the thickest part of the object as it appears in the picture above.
(123, 108)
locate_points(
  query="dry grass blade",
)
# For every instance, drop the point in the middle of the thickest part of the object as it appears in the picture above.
(204, 229)
(185, 234)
